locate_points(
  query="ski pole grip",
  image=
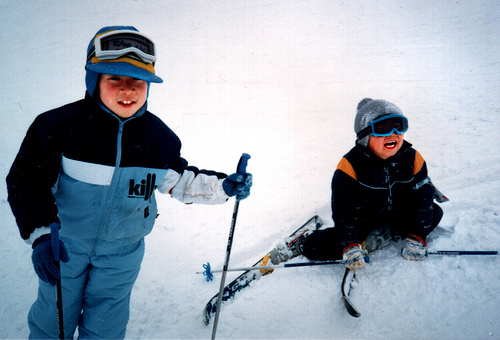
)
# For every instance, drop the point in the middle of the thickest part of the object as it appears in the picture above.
(242, 164)
(54, 236)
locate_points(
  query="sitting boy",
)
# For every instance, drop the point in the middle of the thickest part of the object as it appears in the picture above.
(380, 192)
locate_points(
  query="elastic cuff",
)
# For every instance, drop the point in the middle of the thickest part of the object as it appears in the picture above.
(36, 234)
(418, 238)
(43, 238)
(350, 246)
(221, 192)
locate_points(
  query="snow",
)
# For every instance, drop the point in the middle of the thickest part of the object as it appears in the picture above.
(280, 80)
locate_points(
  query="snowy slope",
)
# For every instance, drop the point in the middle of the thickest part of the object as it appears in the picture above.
(280, 80)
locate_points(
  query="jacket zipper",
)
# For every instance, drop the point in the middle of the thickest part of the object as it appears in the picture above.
(389, 186)
(111, 189)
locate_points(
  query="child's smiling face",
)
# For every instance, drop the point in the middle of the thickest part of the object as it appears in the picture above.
(123, 95)
(385, 147)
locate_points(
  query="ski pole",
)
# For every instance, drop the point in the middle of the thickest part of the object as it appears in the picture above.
(208, 272)
(241, 169)
(462, 252)
(54, 235)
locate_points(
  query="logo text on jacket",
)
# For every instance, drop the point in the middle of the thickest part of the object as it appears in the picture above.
(144, 189)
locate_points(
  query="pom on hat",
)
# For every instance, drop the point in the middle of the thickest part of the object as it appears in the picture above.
(363, 102)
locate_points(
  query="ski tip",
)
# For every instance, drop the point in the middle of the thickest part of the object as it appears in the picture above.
(208, 312)
(350, 308)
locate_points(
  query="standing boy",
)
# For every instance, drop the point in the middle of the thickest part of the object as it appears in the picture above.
(93, 167)
(380, 192)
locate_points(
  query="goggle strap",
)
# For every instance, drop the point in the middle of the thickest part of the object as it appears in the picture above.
(91, 53)
(365, 132)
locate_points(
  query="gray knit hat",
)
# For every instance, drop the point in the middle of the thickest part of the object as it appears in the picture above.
(367, 111)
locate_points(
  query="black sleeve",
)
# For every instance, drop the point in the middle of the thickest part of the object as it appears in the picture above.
(345, 206)
(33, 175)
(423, 198)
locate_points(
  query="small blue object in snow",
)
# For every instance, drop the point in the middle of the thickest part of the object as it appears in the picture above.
(208, 272)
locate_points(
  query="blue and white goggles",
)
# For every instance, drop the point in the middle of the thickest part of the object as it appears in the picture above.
(385, 126)
(120, 43)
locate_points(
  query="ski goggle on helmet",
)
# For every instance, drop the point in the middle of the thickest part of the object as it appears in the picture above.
(385, 126)
(120, 43)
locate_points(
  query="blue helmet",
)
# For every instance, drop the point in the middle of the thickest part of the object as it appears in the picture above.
(123, 53)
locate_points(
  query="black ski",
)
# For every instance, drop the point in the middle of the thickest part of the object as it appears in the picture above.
(346, 289)
(248, 276)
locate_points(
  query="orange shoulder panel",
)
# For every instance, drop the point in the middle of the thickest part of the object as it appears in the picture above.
(347, 168)
(419, 162)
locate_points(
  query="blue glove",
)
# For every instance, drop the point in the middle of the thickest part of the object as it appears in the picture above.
(43, 260)
(238, 185)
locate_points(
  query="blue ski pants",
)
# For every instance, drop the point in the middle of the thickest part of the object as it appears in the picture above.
(95, 293)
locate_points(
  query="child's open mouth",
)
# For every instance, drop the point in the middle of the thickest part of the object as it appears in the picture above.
(391, 145)
(126, 102)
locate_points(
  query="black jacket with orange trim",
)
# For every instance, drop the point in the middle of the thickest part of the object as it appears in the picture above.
(368, 192)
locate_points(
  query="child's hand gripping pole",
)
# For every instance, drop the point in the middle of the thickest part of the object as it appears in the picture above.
(54, 236)
(241, 169)
(242, 166)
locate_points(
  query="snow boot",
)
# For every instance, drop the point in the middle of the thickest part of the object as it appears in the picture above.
(289, 248)
(377, 239)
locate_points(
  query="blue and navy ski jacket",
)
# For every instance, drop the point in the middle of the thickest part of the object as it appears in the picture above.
(368, 192)
(96, 175)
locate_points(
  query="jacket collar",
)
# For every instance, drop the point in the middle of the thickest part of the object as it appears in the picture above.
(368, 153)
(96, 102)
